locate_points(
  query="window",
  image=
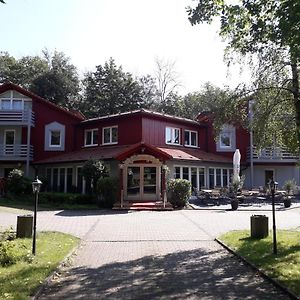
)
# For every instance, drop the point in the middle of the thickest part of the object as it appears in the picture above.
(190, 138)
(196, 175)
(172, 135)
(227, 139)
(55, 138)
(91, 137)
(5, 104)
(219, 177)
(110, 135)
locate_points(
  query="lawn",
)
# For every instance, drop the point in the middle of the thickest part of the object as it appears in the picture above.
(285, 267)
(22, 279)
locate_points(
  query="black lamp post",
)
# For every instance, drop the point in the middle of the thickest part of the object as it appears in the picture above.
(273, 186)
(36, 187)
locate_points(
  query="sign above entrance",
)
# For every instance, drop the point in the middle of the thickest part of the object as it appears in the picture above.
(142, 158)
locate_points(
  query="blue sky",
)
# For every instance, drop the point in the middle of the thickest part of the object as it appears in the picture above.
(133, 32)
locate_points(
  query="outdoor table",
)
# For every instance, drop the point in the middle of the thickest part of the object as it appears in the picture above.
(207, 191)
(252, 193)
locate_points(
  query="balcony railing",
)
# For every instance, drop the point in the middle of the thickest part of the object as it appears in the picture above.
(16, 117)
(269, 154)
(16, 152)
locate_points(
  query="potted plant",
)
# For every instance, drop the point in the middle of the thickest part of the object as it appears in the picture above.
(235, 186)
(289, 186)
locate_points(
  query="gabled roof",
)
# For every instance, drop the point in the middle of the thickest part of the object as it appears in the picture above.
(144, 112)
(122, 152)
(11, 86)
(105, 152)
(143, 148)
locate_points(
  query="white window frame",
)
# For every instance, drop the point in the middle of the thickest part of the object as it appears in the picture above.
(227, 170)
(173, 136)
(190, 138)
(230, 131)
(5, 133)
(11, 99)
(110, 135)
(50, 136)
(51, 127)
(227, 134)
(190, 173)
(92, 137)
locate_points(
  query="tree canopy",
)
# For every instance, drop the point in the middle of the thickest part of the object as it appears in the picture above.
(110, 90)
(268, 31)
(51, 76)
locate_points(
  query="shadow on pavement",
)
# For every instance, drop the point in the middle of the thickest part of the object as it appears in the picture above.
(193, 274)
(79, 213)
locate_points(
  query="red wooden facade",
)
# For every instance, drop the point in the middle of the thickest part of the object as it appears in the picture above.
(134, 129)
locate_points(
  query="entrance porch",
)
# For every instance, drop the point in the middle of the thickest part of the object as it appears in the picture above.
(142, 178)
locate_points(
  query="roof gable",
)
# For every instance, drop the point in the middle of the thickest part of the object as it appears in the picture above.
(11, 86)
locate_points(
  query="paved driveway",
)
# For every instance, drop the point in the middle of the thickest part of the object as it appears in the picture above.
(155, 255)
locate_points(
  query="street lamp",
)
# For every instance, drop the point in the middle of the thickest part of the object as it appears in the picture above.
(273, 186)
(36, 187)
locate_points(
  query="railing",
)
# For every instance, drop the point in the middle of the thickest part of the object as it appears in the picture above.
(16, 117)
(274, 154)
(15, 152)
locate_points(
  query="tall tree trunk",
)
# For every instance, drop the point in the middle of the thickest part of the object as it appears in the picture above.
(296, 94)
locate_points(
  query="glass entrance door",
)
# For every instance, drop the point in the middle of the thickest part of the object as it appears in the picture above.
(142, 183)
(150, 182)
(134, 182)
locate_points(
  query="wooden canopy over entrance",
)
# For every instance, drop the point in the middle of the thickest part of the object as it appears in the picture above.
(142, 175)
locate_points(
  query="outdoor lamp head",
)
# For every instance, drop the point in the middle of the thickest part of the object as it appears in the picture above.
(273, 185)
(36, 185)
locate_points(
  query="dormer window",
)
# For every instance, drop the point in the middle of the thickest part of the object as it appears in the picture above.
(55, 138)
(91, 137)
(110, 135)
(190, 138)
(172, 136)
(227, 139)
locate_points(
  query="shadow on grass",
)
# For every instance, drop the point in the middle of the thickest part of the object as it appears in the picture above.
(280, 266)
(197, 274)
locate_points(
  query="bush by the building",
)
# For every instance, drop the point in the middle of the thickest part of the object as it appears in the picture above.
(179, 192)
(107, 191)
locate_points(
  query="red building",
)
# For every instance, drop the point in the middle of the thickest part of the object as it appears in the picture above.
(42, 138)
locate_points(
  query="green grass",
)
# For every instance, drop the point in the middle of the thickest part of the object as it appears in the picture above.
(22, 279)
(284, 267)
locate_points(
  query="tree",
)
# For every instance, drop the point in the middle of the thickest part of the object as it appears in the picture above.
(22, 71)
(51, 76)
(92, 170)
(110, 90)
(60, 82)
(167, 84)
(253, 28)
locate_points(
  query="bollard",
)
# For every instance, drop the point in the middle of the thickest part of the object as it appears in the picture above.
(259, 226)
(24, 226)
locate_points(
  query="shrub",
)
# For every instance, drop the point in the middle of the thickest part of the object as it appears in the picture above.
(65, 198)
(107, 191)
(290, 185)
(18, 184)
(7, 256)
(179, 192)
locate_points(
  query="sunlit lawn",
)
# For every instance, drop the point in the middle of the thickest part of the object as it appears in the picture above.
(285, 267)
(22, 279)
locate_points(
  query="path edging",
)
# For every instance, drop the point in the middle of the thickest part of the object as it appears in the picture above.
(63, 263)
(259, 271)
